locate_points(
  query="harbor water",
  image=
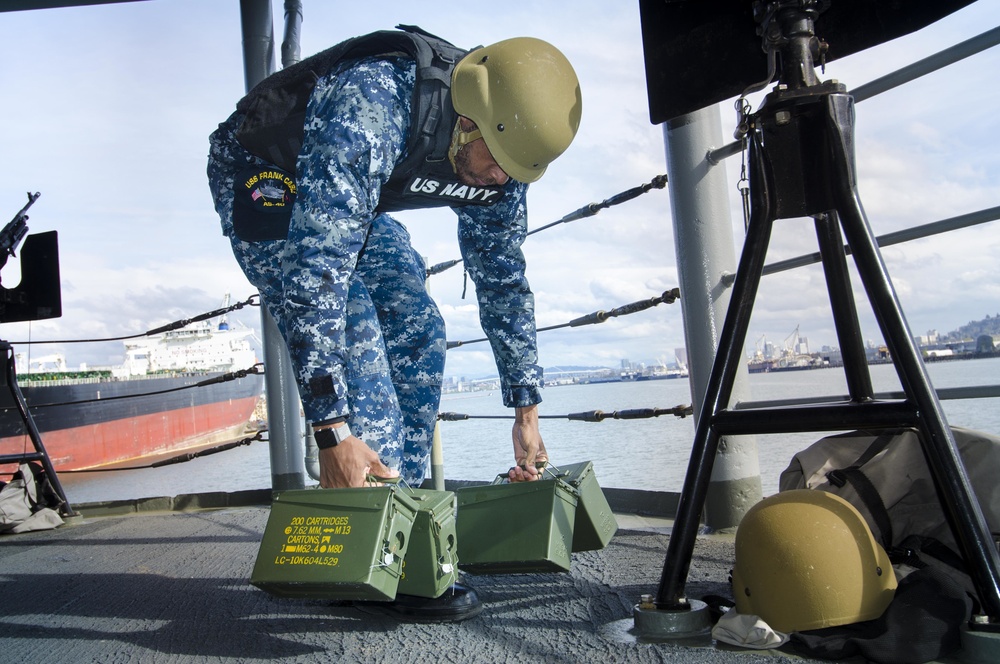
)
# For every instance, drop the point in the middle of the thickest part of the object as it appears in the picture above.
(650, 454)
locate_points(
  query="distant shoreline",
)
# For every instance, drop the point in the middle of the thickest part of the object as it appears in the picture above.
(493, 384)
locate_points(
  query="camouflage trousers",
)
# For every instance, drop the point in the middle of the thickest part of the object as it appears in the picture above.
(395, 337)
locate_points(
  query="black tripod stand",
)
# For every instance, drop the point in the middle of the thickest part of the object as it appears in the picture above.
(801, 155)
(8, 381)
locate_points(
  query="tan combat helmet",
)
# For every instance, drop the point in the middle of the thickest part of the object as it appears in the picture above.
(524, 96)
(806, 559)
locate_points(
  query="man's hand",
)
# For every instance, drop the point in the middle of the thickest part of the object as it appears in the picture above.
(348, 464)
(528, 446)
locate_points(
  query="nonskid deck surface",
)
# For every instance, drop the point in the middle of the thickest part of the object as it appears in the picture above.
(173, 587)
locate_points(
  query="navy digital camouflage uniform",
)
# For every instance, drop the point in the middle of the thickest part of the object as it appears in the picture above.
(346, 288)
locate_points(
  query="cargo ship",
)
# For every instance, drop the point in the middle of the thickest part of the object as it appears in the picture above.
(174, 391)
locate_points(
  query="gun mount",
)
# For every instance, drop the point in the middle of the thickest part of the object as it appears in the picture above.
(38, 295)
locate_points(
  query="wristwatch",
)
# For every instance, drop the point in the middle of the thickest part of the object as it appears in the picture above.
(332, 436)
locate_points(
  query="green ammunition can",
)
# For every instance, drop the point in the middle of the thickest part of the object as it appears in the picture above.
(516, 528)
(335, 543)
(595, 523)
(431, 563)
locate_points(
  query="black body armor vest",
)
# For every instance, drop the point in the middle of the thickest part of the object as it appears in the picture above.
(275, 113)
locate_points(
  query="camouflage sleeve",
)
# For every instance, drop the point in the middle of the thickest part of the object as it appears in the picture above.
(355, 130)
(490, 239)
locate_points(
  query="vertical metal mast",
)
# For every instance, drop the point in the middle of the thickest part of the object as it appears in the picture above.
(284, 428)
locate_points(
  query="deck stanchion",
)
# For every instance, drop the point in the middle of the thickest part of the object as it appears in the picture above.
(287, 458)
(705, 257)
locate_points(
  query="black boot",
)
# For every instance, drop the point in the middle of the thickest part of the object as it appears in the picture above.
(459, 602)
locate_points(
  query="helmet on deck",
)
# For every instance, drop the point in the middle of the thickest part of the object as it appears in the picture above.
(524, 96)
(805, 559)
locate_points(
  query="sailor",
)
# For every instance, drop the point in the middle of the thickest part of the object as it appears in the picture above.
(304, 175)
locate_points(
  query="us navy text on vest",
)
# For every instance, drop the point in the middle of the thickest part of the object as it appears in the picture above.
(453, 190)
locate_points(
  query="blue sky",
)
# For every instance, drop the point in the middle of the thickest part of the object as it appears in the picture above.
(107, 110)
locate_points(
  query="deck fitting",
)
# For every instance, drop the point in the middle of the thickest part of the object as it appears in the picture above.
(979, 647)
(653, 623)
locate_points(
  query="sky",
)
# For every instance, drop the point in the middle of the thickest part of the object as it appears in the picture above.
(106, 112)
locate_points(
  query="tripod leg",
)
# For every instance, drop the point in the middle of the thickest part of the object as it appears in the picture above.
(845, 314)
(36, 438)
(670, 595)
(955, 490)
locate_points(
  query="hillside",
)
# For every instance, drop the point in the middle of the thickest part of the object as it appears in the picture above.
(974, 329)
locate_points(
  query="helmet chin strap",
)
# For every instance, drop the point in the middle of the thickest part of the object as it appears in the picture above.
(459, 139)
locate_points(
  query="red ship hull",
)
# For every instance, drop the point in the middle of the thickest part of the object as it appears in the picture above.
(93, 425)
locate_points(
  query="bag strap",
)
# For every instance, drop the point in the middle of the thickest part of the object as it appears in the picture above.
(879, 444)
(909, 550)
(869, 495)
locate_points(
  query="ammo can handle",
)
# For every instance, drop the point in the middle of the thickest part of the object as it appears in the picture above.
(540, 465)
(394, 481)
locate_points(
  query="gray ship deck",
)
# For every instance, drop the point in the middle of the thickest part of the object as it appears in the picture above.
(161, 585)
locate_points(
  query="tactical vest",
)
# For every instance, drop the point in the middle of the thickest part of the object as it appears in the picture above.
(275, 111)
